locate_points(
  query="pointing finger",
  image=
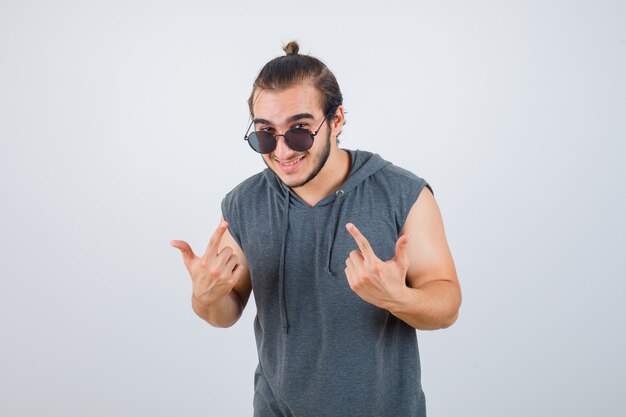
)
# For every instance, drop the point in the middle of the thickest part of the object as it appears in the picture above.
(215, 240)
(361, 241)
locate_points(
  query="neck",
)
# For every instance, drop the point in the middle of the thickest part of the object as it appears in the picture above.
(328, 180)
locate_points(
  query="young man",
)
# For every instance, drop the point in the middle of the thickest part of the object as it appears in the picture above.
(346, 254)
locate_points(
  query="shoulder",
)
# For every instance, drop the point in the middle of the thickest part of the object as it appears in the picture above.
(244, 196)
(396, 172)
(396, 190)
(240, 201)
(247, 188)
(249, 184)
(397, 178)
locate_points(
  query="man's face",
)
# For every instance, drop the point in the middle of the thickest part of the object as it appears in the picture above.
(278, 111)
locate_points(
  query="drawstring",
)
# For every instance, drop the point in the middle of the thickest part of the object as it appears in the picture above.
(367, 166)
(332, 232)
(281, 268)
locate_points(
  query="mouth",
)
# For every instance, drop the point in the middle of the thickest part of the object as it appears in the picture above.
(290, 166)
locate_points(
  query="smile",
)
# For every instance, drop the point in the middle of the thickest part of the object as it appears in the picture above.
(290, 166)
(292, 163)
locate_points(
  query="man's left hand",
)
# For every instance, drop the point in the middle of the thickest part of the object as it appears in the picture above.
(378, 282)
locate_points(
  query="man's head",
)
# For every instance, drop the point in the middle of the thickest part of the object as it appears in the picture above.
(292, 69)
(297, 91)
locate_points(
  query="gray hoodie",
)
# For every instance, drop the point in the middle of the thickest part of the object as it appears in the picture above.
(324, 351)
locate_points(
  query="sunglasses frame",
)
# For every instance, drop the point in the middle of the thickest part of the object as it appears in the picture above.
(313, 134)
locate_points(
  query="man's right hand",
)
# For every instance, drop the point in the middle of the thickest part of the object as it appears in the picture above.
(214, 274)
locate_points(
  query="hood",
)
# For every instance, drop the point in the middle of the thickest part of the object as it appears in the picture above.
(363, 165)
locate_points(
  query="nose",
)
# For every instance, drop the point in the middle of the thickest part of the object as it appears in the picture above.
(282, 151)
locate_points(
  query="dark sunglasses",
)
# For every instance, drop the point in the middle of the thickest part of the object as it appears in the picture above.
(296, 138)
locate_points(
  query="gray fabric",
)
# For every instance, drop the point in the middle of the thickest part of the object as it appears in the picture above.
(324, 351)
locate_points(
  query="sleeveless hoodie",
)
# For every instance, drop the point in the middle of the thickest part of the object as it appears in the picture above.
(323, 350)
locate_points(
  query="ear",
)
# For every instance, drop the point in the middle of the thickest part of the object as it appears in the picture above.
(337, 124)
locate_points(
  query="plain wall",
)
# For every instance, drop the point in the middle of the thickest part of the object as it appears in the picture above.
(121, 128)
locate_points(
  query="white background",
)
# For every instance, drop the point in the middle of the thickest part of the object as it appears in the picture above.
(121, 127)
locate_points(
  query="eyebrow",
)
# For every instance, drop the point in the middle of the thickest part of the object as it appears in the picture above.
(291, 119)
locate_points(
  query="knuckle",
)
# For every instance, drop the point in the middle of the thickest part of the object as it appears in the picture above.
(214, 272)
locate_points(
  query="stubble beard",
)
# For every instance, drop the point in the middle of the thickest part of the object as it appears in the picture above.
(320, 161)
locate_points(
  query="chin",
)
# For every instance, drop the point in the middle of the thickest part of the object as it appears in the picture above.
(292, 180)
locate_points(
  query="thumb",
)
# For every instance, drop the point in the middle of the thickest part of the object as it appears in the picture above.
(185, 250)
(402, 249)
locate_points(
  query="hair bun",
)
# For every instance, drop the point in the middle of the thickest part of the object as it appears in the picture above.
(291, 48)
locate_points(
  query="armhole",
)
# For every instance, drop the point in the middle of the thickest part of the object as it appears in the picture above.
(429, 187)
(413, 195)
(229, 214)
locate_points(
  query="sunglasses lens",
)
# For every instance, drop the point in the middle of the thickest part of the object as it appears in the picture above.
(262, 142)
(299, 139)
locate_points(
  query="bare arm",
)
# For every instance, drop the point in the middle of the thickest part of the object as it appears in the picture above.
(220, 278)
(433, 296)
(419, 285)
